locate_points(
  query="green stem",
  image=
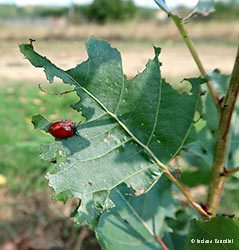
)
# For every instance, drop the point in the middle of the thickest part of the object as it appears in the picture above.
(227, 108)
(196, 58)
(189, 44)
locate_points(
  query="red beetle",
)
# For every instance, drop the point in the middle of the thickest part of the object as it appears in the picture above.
(63, 129)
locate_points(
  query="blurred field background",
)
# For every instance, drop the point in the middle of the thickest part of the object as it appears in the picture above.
(29, 218)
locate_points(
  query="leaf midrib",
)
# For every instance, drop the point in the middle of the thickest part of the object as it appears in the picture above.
(156, 113)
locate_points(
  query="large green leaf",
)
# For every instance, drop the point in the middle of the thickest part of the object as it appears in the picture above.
(217, 234)
(132, 222)
(125, 122)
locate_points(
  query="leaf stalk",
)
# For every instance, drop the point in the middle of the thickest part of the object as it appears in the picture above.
(185, 192)
(162, 243)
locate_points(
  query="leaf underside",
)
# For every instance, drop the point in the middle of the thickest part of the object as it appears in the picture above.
(203, 7)
(106, 153)
(125, 226)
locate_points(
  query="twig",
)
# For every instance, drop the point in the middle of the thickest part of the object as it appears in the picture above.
(227, 108)
(84, 233)
(190, 199)
(31, 41)
(228, 173)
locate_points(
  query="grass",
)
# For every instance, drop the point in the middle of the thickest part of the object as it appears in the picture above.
(19, 160)
(27, 213)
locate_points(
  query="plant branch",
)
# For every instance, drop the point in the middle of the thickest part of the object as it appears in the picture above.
(227, 107)
(228, 173)
(84, 233)
(190, 199)
(194, 53)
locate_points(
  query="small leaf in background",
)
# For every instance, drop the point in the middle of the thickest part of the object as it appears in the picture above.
(219, 232)
(203, 7)
(133, 220)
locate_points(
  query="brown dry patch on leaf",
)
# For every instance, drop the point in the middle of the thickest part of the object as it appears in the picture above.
(107, 137)
(137, 192)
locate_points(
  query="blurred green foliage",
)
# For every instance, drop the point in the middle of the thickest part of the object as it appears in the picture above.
(11, 11)
(99, 10)
(108, 10)
(145, 13)
(44, 11)
(14, 12)
(224, 11)
(19, 159)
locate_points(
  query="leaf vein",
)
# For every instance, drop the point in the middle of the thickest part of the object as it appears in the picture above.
(122, 90)
(156, 113)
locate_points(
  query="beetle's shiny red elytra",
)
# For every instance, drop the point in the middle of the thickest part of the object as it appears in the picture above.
(62, 129)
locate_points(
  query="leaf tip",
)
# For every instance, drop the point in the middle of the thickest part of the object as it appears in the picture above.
(157, 50)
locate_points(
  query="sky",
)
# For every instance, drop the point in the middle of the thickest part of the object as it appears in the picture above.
(146, 3)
